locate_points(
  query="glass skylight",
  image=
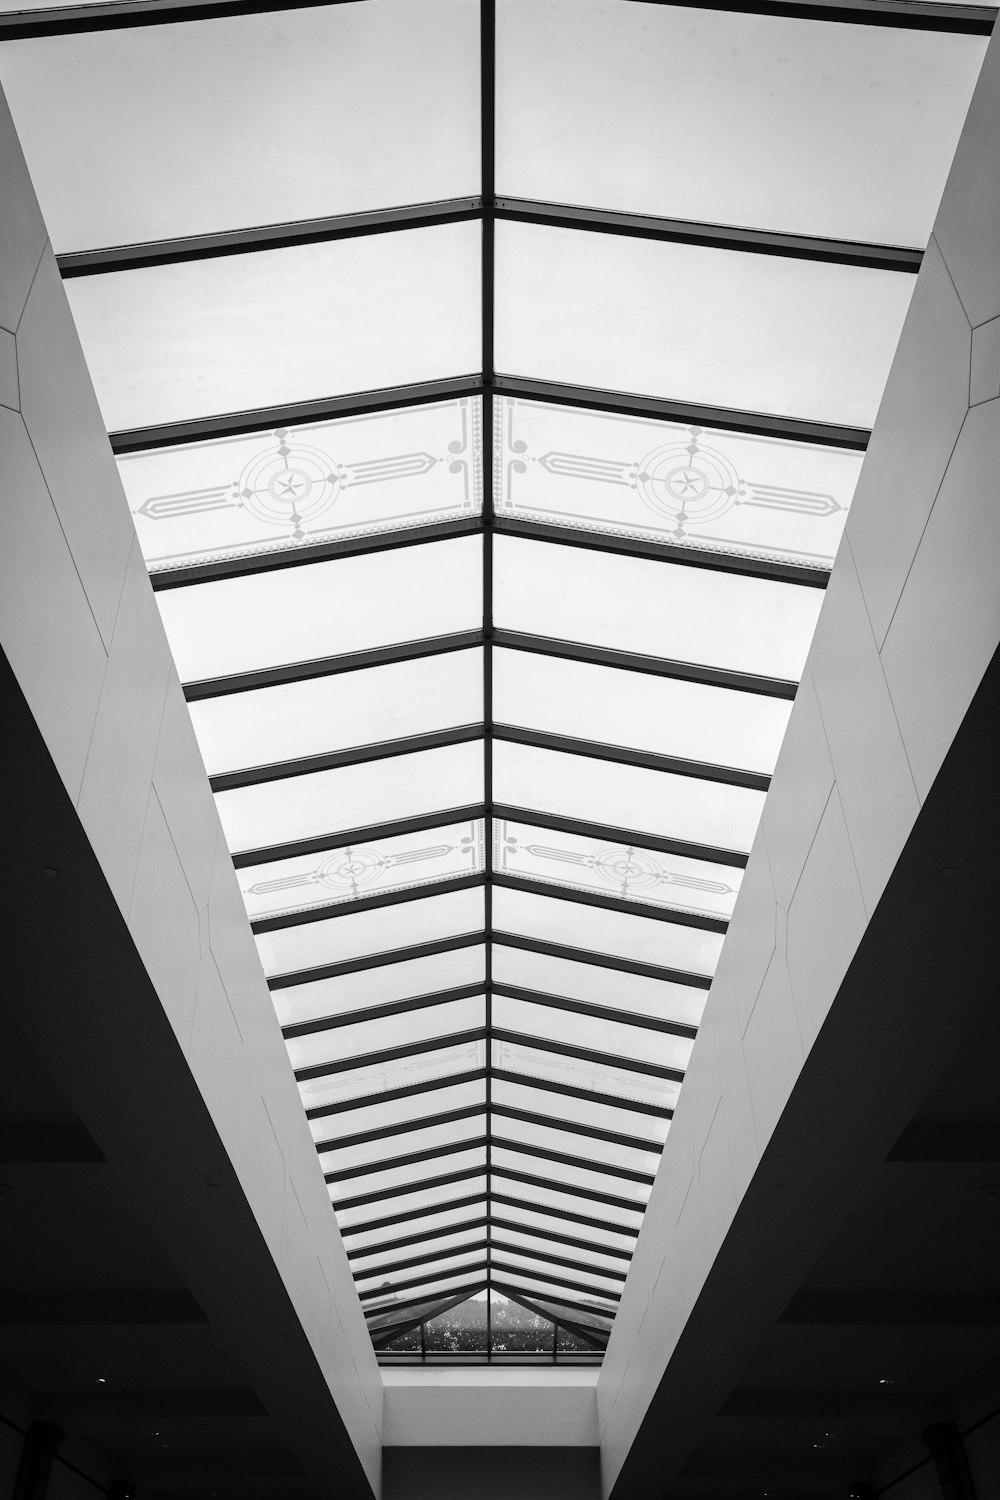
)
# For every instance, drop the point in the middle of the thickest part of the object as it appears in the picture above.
(489, 498)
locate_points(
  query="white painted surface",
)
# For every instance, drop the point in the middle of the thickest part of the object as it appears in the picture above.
(490, 1407)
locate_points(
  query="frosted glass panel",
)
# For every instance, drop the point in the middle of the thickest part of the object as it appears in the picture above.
(380, 1313)
(650, 802)
(372, 1153)
(248, 119)
(456, 1264)
(368, 1265)
(636, 874)
(600, 1155)
(581, 1111)
(398, 1112)
(596, 1179)
(531, 1244)
(330, 802)
(533, 1264)
(596, 1035)
(654, 608)
(589, 982)
(857, 125)
(355, 1239)
(688, 720)
(323, 609)
(349, 709)
(535, 1286)
(357, 934)
(638, 938)
(379, 986)
(661, 481)
(366, 1083)
(524, 1215)
(748, 332)
(297, 486)
(392, 1031)
(552, 1198)
(166, 343)
(417, 1201)
(393, 1177)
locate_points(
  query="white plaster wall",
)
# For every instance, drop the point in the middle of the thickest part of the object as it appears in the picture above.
(81, 629)
(492, 1408)
(909, 624)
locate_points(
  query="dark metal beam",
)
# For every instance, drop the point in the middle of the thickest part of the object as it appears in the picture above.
(398, 897)
(405, 1240)
(390, 1054)
(409, 1159)
(67, 20)
(916, 15)
(432, 1257)
(568, 1159)
(331, 666)
(672, 915)
(325, 843)
(565, 1239)
(603, 960)
(550, 1086)
(605, 833)
(472, 1200)
(716, 236)
(590, 1195)
(609, 1226)
(578, 1127)
(588, 1054)
(601, 1012)
(651, 666)
(267, 237)
(402, 1127)
(417, 1186)
(375, 960)
(405, 1091)
(555, 1280)
(623, 755)
(336, 760)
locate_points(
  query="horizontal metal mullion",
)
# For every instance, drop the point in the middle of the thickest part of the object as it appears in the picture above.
(666, 551)
(403, 1127)
(420, 1238)
(419, 1185)
(452, 1294)
(650, 666)
(554, 1280)
(974, 20)
(325, 409)
(607, 1225)
(390, 1054)
(672, 916)
(381, 1012)
(408, 1215)
(540, 1254)
(549, 1086)
(600, 1012)
(409, 1159)
(570, 1190)
(760, 424)
(718, 236)
(378, 899)
(644, 760)
(335, 760)
(414, 1281)
(587, 1054)
(375, 960)
(404, 1091)
(562, 1239)
(315, 552)
(331, 666)
(539, 1297)
(630, 837)
(326, 843)
(567, 1159)
(603, 960)
(264, 237)
(429, 1258)
(575, 1127)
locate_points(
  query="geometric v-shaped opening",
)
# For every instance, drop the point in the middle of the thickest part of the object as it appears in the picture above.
(489, 1324)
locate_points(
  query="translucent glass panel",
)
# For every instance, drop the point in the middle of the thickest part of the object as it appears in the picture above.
(625, 476)
(529, 1218)
(527, 1263)
(409, 1028)
(324, 609)
(297, 486)
(515, 1330)
(857, 125)
(372, 1154)
(368, 988)
(558, 1299)
(341, 712)
(599, 986)
(584, 1112)
(369, 1080)
(758, 333)
(357, 934)
(634, 873)
(651, 802)
(368, 1266)
(421, 1199)
(166, 343)
(405, 862)
(461, 1329)
(599, 1161)
(400, 1115)
(597, 1035)
(654, 608)
(331, 802)
(443, 1220)
(599, 1078)
(585, 1258)
(435, 1290)
(390, 1182)
(688, 720)
(150, 133)
(619, 933)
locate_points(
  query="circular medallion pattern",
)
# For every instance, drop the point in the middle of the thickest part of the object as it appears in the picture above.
(289, 486)
(690, 484)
